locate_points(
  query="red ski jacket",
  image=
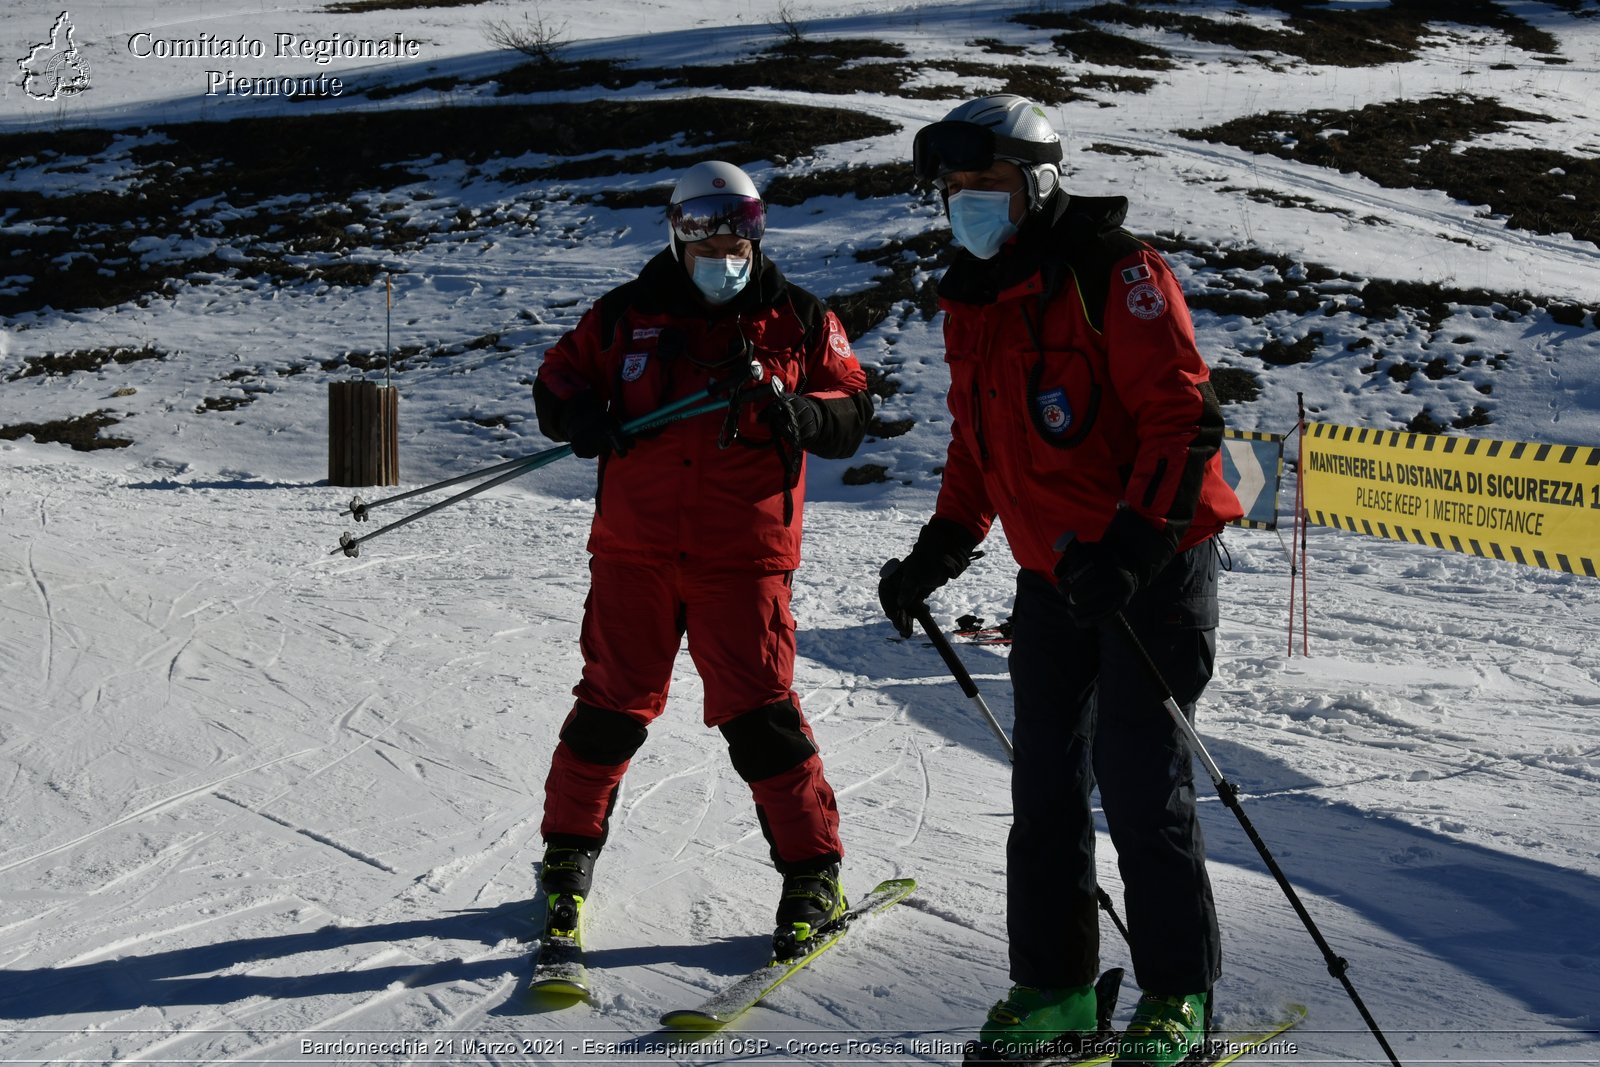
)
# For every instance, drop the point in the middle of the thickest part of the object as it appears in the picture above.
(1076, 386)
(676, 495)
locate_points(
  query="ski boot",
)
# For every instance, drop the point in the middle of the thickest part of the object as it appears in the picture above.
(1033, 1024)
(565, 876)
(1164, 1030)
(811, 902)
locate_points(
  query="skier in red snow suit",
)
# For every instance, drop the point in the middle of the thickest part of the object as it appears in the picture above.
(1083, 417)
(697, 531)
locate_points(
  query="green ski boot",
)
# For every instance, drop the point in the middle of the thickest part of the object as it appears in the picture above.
(1164, 1030)
(1030, 1024)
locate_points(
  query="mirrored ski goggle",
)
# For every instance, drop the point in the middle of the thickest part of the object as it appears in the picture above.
(706, 216)
(945, 147)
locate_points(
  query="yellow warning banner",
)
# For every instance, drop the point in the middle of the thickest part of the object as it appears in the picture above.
(1537, 504)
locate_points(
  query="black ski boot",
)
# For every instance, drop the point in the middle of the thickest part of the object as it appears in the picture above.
(565, 876)
(811, 901)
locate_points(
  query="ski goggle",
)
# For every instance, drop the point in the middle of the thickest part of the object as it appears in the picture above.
(706, 216)
(944, 147)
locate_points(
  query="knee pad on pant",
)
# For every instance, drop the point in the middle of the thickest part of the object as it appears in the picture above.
(767, 741)
(605, 738)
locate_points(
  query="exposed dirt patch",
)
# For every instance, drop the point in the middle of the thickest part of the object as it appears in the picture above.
(998, 47)
(1235, 385)
(562, 75)
(866, 474)
(410, 357)
(1112, 50)
(1279, 352)
(879, 179)
(489, 422)
(81, 432)
(911, 269)
(1118, 150)
(353, 7)
(223, 403)
(880, 383)
(880, 427)
(836, 67)
(1305, 312)
(1321, 33)
(292, 198)
(58, 364)
(1413, 144)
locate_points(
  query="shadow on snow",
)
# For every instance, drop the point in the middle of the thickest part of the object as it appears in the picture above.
(186, 976)
(1525, 928)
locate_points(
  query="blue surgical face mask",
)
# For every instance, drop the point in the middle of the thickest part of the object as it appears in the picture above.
(981, 220)
(720, 279)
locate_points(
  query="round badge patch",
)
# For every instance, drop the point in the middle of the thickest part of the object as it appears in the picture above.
(1146, 301)
(1055, 414)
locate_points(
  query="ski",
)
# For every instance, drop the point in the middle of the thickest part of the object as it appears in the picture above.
(559, 970)
(1106, 989)
(1227, 1048)
(1218, 1051)
(724, 1007)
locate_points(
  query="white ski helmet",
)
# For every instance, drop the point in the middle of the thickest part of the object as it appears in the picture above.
(711, 198)
(977, 133)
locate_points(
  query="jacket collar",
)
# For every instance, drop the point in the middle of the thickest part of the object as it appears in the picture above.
(1045, 236)
(670, 289)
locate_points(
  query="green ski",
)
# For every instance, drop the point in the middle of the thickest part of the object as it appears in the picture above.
(724, 1007)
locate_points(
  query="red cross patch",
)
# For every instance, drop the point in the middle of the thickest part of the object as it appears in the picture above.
(839, 344)
(1146, 301)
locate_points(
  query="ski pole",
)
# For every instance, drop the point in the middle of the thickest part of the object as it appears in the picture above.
(1337, 965)
(964, 679)
(958, 670)
(359, 507)
(351, 546)
(687, 408)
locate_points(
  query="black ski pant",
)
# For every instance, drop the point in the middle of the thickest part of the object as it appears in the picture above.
(1087, 712)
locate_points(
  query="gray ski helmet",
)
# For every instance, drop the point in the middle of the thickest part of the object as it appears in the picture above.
(980, 131)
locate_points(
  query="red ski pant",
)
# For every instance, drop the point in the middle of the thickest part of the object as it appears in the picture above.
(741, 639)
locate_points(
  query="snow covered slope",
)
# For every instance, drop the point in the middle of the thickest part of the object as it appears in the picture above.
(262, 803)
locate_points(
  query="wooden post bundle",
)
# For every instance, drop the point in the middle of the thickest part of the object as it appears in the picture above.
(363, 434)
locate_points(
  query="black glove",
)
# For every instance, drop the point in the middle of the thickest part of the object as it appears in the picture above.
(592, 429)
(1099, 578)
(943, 550)
(796, 419)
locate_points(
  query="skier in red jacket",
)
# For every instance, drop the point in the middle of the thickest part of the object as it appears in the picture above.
(1083, 417)
(697, 531)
